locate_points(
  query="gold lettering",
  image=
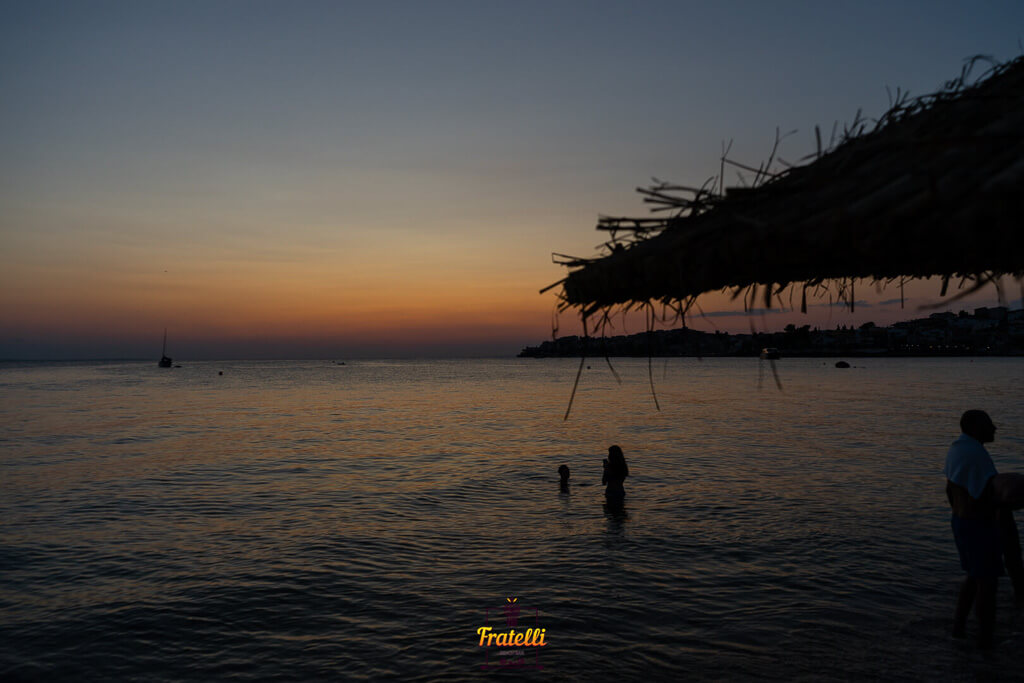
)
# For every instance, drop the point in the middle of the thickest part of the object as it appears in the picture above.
(533, 637)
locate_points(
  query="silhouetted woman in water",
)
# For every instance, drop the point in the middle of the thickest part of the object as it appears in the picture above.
(615, 472)
(563, 473)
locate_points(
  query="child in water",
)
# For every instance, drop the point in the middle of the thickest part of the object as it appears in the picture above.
(615, 472)
(563, 473)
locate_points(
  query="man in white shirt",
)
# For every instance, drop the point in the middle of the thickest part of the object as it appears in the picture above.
(984, 532)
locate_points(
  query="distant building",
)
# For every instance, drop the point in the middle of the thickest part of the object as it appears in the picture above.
(997, 313)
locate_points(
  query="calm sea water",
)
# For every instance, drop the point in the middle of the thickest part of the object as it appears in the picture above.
(306, 520)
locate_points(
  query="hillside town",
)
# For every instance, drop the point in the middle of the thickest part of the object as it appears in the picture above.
(995, 331)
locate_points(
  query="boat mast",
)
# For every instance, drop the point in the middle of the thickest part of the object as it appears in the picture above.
(164, 351)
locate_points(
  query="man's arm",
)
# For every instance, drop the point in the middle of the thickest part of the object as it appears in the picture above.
(966, 507)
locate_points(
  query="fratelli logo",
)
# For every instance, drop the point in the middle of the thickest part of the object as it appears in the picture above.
(506, 643)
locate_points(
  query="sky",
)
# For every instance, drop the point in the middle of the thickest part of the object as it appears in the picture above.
(352, 179)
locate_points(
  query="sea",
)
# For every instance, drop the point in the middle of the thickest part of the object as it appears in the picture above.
(313, 520)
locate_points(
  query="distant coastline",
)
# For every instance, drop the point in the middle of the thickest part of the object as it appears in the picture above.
(984, 332)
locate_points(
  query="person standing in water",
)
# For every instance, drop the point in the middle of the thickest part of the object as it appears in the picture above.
(615, 472)
(563, 474)
(984, 532)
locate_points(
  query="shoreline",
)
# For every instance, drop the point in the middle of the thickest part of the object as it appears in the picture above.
(788, 354)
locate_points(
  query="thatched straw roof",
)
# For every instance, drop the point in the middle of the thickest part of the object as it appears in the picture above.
(935, 187)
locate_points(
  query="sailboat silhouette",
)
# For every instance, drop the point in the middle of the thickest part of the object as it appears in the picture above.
(165, 362)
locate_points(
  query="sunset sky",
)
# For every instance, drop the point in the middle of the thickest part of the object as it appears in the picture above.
(347, 179)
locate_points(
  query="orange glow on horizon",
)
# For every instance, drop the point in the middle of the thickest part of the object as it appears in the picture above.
(408, 294)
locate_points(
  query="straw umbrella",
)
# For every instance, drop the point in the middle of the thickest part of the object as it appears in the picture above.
(935, 187)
